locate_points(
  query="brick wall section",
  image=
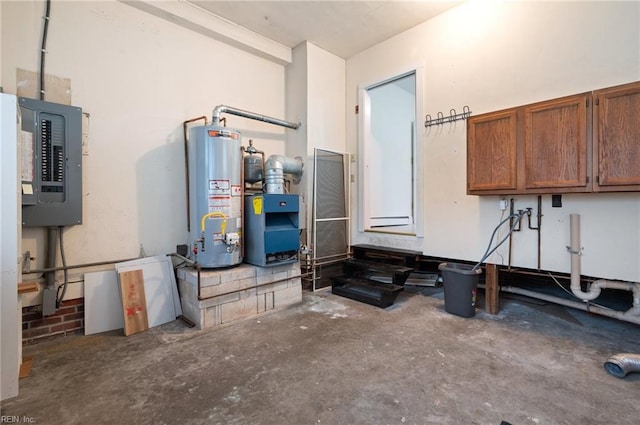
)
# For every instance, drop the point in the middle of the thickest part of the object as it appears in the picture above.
(68, 319)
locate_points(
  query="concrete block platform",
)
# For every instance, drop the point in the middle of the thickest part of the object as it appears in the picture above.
(238, 293)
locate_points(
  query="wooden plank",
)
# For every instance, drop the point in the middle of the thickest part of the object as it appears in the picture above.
(102, 303)
(25, 367)
(134, 305)
(492, 289)
(26, 287)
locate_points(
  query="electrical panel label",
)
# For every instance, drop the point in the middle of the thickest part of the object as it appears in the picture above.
(26, 169)
(236, 190)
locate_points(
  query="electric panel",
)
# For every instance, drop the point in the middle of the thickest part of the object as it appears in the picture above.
(51, 169)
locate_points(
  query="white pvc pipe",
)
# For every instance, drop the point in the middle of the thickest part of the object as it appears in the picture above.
(575, 251)
(596, 287)
(620, 315)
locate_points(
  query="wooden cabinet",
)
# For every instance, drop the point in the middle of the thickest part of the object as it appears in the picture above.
(558, 146)
(491, 151)
(616, 138)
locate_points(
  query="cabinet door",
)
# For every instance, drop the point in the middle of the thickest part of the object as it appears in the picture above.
(491, 152)
(617, 138)
(556, 143)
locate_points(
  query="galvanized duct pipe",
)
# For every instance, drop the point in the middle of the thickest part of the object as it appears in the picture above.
(596, 287)
(276, 167)
(621, 364)
(251, 115)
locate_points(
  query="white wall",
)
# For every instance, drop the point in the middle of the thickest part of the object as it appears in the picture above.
(315, 96)
(9, 317)
(326, 100)
(139, 77)
(493, 55)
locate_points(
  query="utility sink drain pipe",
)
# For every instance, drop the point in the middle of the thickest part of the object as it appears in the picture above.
(596, 287)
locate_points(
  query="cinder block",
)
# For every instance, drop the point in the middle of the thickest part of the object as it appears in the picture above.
(234, 294)
(245, 307)
(271, 287)
(265, 302)
(288, 296)
(211, 317)
(228, 286)
(273, 277)
(208, 279)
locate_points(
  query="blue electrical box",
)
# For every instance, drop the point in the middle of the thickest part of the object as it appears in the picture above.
(271, 229)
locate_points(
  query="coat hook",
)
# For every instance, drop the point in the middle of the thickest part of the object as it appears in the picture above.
(440, 118)
(452, 115)
(465, 111)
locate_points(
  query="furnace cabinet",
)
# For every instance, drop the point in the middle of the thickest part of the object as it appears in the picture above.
(271, 231)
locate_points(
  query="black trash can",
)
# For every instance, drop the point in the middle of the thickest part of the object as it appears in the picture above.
(460, 288)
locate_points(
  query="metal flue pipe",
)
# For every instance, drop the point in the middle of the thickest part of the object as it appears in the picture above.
(220, 109)
(275, 169)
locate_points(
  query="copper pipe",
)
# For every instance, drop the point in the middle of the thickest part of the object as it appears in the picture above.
(511, 211)
(186, 163)
(242, 201)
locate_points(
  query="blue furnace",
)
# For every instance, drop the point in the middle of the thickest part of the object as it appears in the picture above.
(271, 229)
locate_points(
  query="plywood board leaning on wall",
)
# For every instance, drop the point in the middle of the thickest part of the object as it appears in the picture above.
(134, 304)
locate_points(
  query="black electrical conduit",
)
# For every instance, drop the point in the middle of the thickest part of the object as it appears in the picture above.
(52, 244)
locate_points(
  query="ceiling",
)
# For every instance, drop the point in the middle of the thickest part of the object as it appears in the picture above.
(343, 28)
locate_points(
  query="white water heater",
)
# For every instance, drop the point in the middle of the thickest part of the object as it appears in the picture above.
(215, 196)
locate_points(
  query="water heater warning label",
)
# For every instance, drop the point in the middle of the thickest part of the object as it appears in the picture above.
(219, 187)
(220, 204)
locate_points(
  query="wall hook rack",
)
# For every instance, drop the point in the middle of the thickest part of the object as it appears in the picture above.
(453, 116)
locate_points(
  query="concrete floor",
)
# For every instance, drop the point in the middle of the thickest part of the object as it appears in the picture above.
(336, 361)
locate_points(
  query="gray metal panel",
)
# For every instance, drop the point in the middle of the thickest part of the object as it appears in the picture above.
(330, 190)
(56, 132)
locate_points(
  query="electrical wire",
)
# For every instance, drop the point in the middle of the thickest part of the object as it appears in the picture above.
(490, 251)
(43, 47)
(498, 252)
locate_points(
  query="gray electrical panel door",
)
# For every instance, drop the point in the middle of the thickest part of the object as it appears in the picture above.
(51, 141)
